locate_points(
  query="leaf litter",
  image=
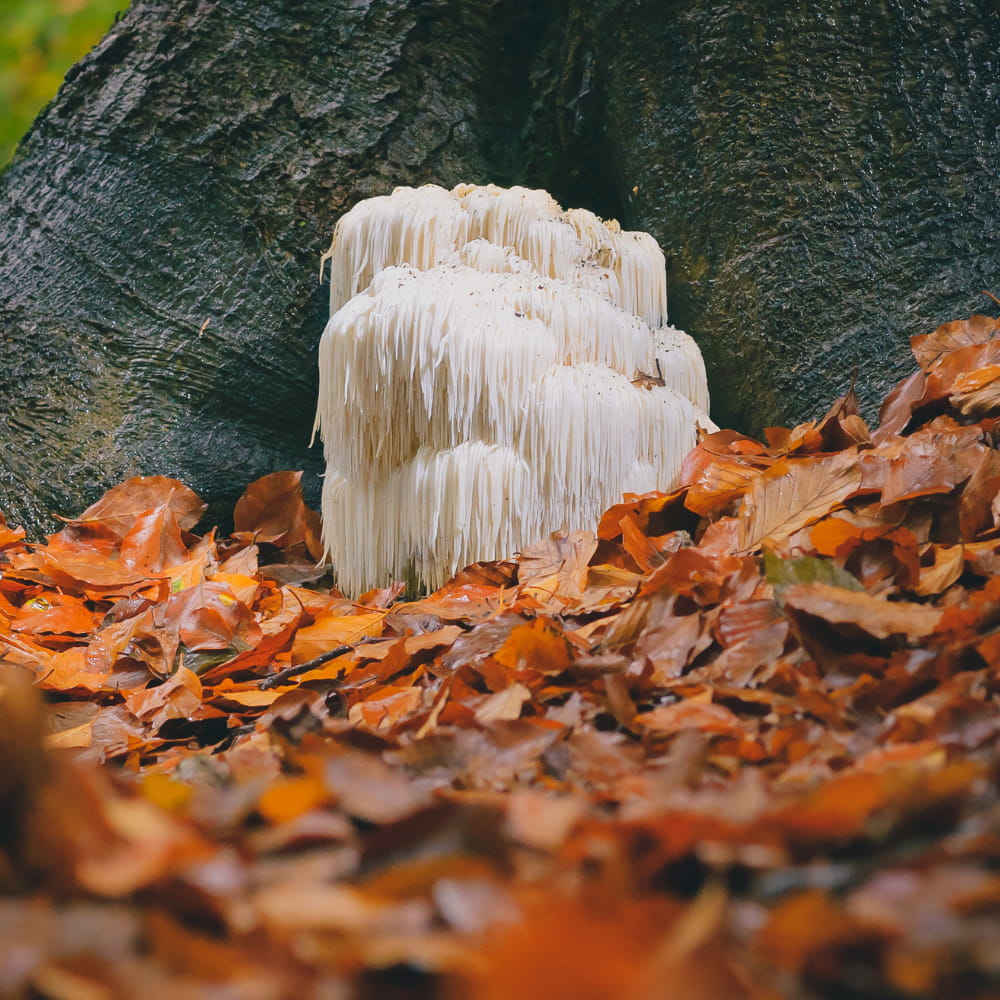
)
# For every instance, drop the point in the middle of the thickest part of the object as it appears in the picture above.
(742, 741)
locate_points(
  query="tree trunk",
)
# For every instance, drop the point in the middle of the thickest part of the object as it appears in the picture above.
(824, 184)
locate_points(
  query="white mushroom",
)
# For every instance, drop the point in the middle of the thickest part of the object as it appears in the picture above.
(476, 379)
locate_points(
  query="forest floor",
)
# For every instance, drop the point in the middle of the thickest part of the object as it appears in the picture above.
(742, 742)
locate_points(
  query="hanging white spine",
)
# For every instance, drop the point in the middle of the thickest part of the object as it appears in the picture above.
(476, 378)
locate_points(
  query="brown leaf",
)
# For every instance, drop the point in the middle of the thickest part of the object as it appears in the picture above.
(898, 407)
(931, 460)
(503, 705)
(331, 630)
(979, 506)
(273, 510)
(652, 513)
(153, 543)
(720, 470)
(955, 366)
(842, 426)
(370, 790)
(928, 347)
(178, 697)
(946, 566)
(704, 716)
(875, 615)
(977, 394)
(795, 492)
(809, 932)
(64, 616)
(667, 640)
(558, 565)
(121, 505)
(208, 616)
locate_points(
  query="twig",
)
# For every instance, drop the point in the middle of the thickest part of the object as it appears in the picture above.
(303, 668)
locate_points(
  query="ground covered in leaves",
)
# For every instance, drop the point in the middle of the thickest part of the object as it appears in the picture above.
(742, 742)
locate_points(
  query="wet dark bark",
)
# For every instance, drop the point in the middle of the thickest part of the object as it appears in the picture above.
(824, 185)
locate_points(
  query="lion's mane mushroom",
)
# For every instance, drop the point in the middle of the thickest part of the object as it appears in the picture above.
(477, 379)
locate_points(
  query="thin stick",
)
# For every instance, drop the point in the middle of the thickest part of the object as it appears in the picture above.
(303, 668)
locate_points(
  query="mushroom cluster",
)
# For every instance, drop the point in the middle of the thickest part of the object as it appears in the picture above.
(481, 379)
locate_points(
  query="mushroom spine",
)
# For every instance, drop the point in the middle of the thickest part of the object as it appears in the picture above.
(476, 379)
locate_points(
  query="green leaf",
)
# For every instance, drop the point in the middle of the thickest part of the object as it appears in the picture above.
(781, 573)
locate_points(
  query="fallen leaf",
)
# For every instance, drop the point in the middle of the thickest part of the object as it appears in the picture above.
(539, 645)
(793, 493)
(273, 510)
(929, 347)
(875, 615)
(503, 705)
(118, 509)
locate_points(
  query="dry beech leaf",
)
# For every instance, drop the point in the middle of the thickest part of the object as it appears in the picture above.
(118, 509)
(560, 562)
(977, 394)
(928, 347)
(539, 645)
(874, 615)
(705, 717)
(273, 510)
(153, 543)
(931, 460)
(897, 409)
(720, 469)
(793, 493)
(503, 705)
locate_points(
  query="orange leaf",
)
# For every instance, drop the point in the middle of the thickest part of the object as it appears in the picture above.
(929, 347)
(559, 563)
(332, 630)
(285, 800)
(71, 669)
(931, 460)
(383, 709)
(65, 618)
(208, 616)
(178, 697)
(154, 542)
(539, 646)
(977, 394)
(646, 508)
(503, 705)
(805, 927)
(720, 470)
